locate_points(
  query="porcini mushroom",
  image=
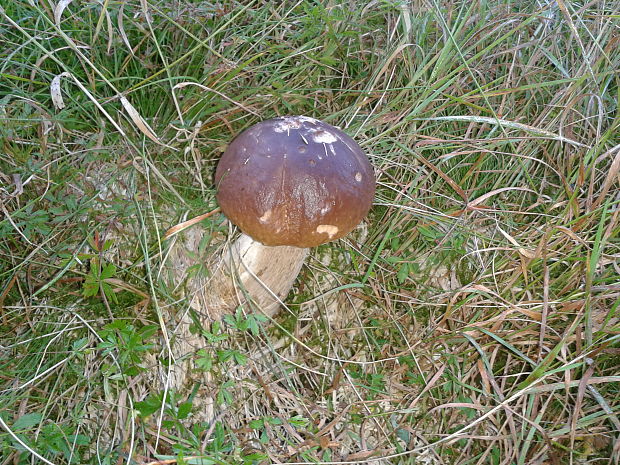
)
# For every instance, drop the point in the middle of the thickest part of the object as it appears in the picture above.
(288, 184)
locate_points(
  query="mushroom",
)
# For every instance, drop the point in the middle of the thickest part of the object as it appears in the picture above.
(288, 184)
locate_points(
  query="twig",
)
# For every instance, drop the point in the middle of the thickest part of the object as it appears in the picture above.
(186, 224)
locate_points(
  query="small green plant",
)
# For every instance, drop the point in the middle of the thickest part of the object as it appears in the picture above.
(30, 222)
(224, 395)
(99, 274)
(226, 355)
(261, 425)
(215, 335)
(95, 282)
(58, 442)
(242, 322)
(373, 384)
(128, 343)
(299, 421)
(175, 410)
(203, 360)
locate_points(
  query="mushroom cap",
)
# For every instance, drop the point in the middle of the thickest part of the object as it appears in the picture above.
(294, 181)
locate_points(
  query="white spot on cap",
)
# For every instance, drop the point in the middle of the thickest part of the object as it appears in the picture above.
(306, 119)
(328, 229)
(287, 123)
(265, 217)
(324, 137)
(358, 177)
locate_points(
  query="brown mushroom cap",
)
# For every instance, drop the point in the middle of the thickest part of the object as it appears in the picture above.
(294, 181)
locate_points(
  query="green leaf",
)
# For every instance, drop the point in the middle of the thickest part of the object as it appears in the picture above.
(256, 424)
(108, 271)
(109, 292)
(79, 439)
(429, 233)
(403, 273)
(90, 287)
(224, 355)
(204, 360)
(240, 358)
(27, 421)
(121, 325)
(91, 242)
(253, 326)
(255, 457)
(299, 422)
(224, 396)
(148, 406)
(131, 371)
(148, 331)
(230, 320)
(79, 344)
(184, 410)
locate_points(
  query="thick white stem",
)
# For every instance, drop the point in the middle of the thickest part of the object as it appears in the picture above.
(246, 273)
(257, 273)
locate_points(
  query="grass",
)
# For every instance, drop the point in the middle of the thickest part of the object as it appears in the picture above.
(475, 316)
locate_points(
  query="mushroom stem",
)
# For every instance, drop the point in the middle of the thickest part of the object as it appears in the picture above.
(246, 272)
(252, 272)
